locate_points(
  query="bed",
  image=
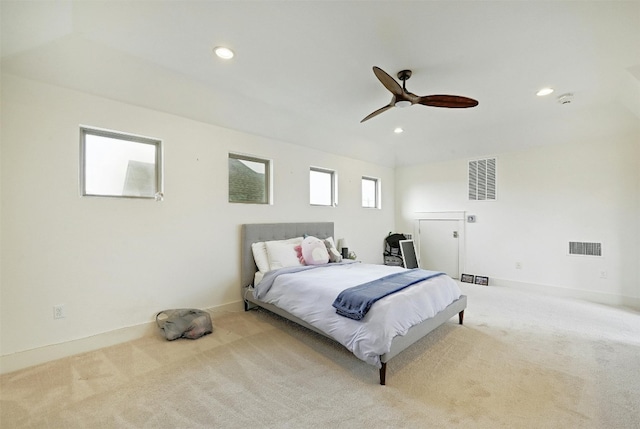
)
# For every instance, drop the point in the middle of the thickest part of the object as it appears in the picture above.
(270, 232)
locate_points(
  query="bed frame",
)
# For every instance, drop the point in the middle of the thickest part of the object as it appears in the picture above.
(252, 233)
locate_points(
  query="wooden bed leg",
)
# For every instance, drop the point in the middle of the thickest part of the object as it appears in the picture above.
(383, 373)
(461, 316)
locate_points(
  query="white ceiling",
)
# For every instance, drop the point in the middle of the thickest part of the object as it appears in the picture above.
(303, 70)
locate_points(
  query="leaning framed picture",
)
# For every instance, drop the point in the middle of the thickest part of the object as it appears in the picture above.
(467, 278)
(480, 280)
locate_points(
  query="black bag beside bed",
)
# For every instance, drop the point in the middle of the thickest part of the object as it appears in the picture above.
(184, 323)
(392, 255)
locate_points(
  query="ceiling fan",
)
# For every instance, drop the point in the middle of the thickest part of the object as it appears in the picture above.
(403, 98)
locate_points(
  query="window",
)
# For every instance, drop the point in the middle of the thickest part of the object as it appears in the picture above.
(114, 164)
(322, 187)
(370, 192)
(249, 179)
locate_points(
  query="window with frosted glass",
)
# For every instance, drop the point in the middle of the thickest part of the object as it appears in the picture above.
(370, 192)
(322, 189)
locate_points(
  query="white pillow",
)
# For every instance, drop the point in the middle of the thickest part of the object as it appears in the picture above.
(282, 253)
(260, 256)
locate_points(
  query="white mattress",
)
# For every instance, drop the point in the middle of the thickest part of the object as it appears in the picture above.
(309, 295)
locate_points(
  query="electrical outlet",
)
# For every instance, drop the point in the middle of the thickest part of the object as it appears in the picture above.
(518, 265)
(58, 311)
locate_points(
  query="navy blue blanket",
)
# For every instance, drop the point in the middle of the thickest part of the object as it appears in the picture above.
(356, 301)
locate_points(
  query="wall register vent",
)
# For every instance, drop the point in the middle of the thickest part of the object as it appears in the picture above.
(482, 180)
(585, 249)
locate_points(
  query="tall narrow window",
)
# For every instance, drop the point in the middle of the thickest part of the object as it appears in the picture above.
(322, 187)
(249, 179)
(370, 192)
(114, 164)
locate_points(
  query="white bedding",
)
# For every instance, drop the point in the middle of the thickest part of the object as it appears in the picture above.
(309, 295)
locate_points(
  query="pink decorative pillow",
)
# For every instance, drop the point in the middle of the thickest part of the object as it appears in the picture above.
(313, 251)
(298, 250)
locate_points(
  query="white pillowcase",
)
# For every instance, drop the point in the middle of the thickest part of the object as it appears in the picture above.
(261, 254)
(282, 253)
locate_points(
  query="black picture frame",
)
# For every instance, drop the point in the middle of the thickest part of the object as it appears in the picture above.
(481, 280)
(467, 278)
(408, 252)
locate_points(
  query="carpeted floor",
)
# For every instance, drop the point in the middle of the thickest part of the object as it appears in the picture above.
(520, 361)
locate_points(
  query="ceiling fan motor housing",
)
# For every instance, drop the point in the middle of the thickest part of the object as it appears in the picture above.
(404, 75)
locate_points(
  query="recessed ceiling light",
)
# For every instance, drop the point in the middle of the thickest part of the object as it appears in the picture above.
(398, 130)
(224, 53)
(544, 91)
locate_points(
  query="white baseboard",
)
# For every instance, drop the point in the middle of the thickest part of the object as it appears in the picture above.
(562, 292)
(40, 355)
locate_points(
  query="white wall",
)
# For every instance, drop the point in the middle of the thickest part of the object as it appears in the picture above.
(114, 263)
(548, 196)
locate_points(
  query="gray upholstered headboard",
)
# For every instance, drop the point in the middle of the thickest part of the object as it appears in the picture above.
(254, 232)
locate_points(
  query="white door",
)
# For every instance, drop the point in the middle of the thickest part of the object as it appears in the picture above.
(439, 245)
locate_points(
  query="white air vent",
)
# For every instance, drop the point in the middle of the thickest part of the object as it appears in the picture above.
(585, 249)
(482, 179)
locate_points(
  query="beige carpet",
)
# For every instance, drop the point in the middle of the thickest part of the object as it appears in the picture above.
(520, 361)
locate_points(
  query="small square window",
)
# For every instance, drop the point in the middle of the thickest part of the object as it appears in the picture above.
(114, 164)
(370, 192)
(322, 187)
(249, 179)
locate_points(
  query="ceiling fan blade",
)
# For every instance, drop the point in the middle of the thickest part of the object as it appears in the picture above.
(450, 101)
(388, 82)
(377, 112)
